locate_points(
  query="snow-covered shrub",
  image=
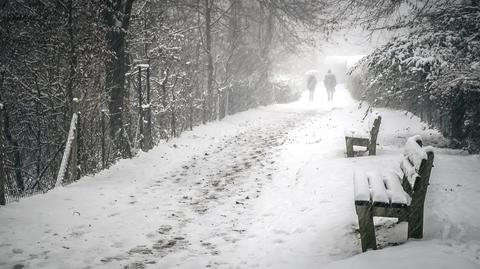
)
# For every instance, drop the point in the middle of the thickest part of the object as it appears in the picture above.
(433, 71)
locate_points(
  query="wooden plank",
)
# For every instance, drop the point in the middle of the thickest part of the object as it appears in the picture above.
(361, 188)
(360, 142)
(398, 197)
(389, 212)
(410, 174)
(378, 191)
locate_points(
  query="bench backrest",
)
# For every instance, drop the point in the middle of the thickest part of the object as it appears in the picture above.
(375, 127)
(416, 167)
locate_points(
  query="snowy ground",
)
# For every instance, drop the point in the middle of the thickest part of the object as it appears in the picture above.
(267, 188)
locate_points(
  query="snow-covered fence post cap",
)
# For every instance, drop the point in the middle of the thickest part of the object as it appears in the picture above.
(75, 105)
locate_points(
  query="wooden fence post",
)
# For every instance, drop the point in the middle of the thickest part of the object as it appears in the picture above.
(80, 148)
(104, 164)
(227, 92)
(2, 153)
(140, 107)
(217, 106)
(147, 138)
(70, 158)
(74, 175)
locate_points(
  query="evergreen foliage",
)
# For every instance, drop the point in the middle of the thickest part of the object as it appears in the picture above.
(432, 71)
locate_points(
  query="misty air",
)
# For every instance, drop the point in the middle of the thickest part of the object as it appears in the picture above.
(232, 134)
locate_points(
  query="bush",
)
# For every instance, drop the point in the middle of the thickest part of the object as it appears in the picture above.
(433, 72)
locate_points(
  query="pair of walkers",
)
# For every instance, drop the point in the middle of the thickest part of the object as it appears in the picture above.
(330, 81)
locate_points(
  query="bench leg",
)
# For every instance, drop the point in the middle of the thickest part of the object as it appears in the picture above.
(372, 148)
(415, 223)
(349, 144)
(367, 230)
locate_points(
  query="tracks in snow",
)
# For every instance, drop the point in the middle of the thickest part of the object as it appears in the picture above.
(210, 195)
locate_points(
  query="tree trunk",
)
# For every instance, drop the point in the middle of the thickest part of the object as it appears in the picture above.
(117, 16)
(72, 61)
(17, 159)
(458, 116)
(208, 47)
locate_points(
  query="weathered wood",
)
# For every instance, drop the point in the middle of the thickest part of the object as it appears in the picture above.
(73, 164)
(80, 146)
(366, 228)
(370, 143)
(349, 144)
(104, 163)
(412, 213)
(140, 107)
(415, 216)
(69, 158)
(227, 91)
(389, 211)
(372, 147)
(217, 106)
(147, 138)
(2, 154)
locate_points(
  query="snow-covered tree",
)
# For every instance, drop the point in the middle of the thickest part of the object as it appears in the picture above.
(433, 71)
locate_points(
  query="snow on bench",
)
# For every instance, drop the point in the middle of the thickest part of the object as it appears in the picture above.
(365, 136)
(388, 194)
(379, 189)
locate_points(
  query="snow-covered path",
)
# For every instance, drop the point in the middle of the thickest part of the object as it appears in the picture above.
(267, 188)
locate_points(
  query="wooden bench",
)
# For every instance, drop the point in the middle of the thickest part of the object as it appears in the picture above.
(392, 195)
(365, 138)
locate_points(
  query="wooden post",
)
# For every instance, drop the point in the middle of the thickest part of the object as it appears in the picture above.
(69, 158)
(2, 155)
(73, 164)
(217, 106)
(104, 163)
(140, 108)
(147, 139)
(349, 145)
(227, 92)
(190, 114)
(367, 230)
(80, 149)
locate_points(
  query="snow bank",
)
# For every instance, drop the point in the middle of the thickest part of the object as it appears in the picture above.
(424, 255)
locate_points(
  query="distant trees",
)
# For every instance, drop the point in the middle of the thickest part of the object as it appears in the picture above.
(47, 53)
(130, 63)
(433, 70)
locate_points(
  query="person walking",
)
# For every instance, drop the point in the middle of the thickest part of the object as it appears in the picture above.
(311, 83)
(330, 81)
